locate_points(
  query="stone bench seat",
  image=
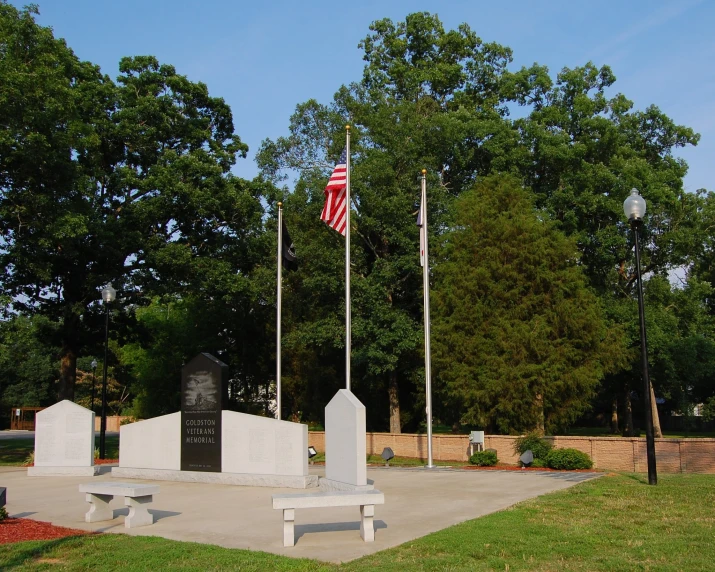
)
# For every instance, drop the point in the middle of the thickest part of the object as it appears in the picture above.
(366, 500)
(137, 497)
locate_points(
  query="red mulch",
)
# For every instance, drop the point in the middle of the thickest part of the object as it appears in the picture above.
(20, 529)
(96, 462)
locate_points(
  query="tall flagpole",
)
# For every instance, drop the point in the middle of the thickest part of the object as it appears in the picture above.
(348, 323)
(425, 288)
(279, 303)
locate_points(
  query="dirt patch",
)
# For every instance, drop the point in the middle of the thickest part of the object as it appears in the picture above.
(21, 529)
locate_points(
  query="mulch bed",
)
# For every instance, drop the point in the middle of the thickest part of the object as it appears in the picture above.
(21, 529)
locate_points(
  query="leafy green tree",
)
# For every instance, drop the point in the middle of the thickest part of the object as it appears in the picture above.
(28, 362)
(520, 341)
(125, 182)
(428, 99)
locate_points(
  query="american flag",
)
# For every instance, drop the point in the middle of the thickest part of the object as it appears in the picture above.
(335, 204)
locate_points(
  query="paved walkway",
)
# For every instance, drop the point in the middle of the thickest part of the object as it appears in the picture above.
(417, 502)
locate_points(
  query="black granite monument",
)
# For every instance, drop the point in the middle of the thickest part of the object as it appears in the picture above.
(204, 392)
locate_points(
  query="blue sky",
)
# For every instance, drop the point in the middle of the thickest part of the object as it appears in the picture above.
(265, 57)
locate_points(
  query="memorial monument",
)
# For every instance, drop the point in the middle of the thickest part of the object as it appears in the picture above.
(204, 393)
(345, 444)
(205, 443)
(64, 441)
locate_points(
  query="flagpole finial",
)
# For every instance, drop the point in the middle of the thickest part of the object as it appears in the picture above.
(347, 127)
(424, 171)
(280, 204)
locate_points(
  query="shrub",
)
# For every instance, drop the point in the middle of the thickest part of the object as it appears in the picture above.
(484, 458)
(568, 459)
(3, 513)
(539, 464)
(532, 441)
(127, 421)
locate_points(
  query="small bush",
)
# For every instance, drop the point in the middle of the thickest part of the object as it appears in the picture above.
(568, 459)
(127, 421)
(3, 513)
(539, 464)
(484, 458)
(532, 441)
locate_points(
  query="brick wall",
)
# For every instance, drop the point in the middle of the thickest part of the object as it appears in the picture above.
(614, 453)
(113, 422)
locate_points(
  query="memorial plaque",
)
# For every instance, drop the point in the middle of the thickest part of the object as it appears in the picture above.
(64, 436)
(204, 387)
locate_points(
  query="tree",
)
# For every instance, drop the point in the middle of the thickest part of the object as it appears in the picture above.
(125, 182)
(428, 99)
(520, 341)
(28, 362)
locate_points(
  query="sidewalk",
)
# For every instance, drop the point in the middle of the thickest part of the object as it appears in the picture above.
(417, 502)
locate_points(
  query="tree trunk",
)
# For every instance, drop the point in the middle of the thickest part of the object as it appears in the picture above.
(68, 374)
(394, 396)
(68, 359)
(614, 416)
(540, 429)
(628, 429)
(657, 433)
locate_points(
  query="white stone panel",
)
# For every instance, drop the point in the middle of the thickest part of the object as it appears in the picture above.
(151, 444)
(345, 440)
(64, 436)
(263, 446)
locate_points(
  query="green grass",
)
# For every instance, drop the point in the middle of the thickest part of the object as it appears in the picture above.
(614, 523)
(16, 451)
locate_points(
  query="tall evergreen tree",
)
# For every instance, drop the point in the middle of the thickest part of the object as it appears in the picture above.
(520, 340)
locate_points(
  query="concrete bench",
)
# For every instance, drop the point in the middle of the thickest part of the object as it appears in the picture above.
(136, 497)
(366, 500)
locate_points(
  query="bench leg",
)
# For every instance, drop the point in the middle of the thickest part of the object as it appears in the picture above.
(138, 513)
(367, 530)
(288, 527)
(98, 508)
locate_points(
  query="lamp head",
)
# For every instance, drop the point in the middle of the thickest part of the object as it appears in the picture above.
(108, 293)
(94, 364)
(634, 206)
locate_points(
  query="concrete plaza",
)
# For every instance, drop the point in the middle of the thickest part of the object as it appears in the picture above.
(418, 501)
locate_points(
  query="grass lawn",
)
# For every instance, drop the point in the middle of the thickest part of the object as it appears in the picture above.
(16, 451)
(614, 523)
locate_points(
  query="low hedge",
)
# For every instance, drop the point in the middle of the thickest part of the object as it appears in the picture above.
(568, 459)
(484, 458)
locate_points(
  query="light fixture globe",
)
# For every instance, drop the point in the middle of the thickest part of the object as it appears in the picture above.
(109, 293)
(94, 364)
(634, 206)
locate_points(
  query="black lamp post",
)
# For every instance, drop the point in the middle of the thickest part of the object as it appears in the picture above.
(634, 208)
(94, 377)
(108, 295)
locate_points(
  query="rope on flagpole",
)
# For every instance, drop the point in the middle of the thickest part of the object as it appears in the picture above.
(348, 324)
(279, 303)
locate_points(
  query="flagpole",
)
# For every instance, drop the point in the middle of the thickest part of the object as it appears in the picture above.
(425, 288)
(348, 324)
(279, 304)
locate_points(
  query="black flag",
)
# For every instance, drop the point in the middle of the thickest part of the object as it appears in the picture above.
(290, 261)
